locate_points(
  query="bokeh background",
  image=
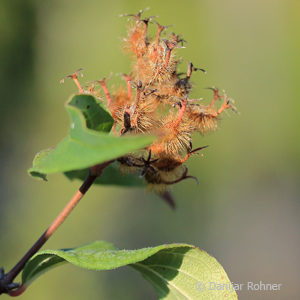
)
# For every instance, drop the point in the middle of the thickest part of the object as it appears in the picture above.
(245, 211)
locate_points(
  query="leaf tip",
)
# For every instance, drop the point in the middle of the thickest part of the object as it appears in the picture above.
(37, 175)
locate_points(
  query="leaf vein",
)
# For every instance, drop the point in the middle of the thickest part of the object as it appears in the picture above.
(166, 280)
(169, 267)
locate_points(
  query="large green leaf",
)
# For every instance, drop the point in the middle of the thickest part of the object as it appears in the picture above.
(176, 271)
(88, 143)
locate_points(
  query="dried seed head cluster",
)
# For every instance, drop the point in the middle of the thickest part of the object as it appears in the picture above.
(156, 101)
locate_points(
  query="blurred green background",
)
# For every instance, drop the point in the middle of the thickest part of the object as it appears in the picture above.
(245, 211)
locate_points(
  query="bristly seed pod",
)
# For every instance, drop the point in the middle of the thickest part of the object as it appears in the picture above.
(157, 102)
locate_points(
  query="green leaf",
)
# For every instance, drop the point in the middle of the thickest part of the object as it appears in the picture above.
(110, 176)
(96, 115)
(87, 144)
(176, 271)
(39, 157)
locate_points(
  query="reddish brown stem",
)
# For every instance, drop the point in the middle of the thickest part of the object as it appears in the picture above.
(167, 58)
(52, 228)
(137, 98)
(192, 152)
(181, 113)
(170, 47)
(146, 29)
(129, 90)
(139, 88)
(105, 89)
(216, 97)
(223, 107)
(159, 31)
(80, 89)
(12, 274)
(190, 70)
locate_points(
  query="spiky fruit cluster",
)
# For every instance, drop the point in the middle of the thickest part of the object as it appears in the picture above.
(159, 105)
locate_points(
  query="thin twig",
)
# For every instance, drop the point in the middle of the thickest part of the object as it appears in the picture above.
(6, 285)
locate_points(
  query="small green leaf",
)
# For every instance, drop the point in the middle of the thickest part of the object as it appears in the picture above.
(85, 147)
(176, 271)
(96, 115)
